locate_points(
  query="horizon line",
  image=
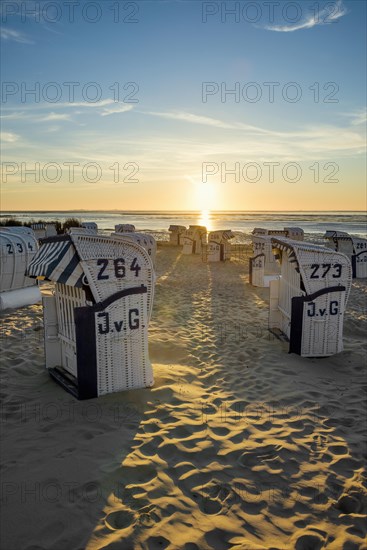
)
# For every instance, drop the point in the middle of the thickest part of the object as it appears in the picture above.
(172, 211)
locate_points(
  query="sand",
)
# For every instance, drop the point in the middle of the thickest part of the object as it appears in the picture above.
(238, 444)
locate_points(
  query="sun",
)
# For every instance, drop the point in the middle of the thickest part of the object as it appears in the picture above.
(205, 196)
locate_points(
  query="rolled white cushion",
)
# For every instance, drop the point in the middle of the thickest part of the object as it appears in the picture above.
(20, 298)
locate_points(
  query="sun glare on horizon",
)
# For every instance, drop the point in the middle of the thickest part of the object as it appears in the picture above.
(205, 219)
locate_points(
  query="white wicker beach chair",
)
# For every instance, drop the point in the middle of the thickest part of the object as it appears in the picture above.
(307, 302)
(17, 249)
(39, 230)
(176, 234)
(50, 230)
(294, 233)
(91, 226)
(124, 228)
(143, 239)
(194, 238)
(263, 266)
(96, 324)
(22, 229)
(354, 247)
(219, 247)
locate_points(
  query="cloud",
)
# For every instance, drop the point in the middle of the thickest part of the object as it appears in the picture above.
(119, 109)
(358, 117)
(206, 121)
(8, 137)
(15, 36)
(54, 116)
(101, 103)
(323, 17)
(13, 116)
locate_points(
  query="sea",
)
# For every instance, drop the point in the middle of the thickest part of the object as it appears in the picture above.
(242, 223)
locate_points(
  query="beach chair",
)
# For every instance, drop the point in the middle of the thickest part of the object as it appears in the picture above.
(308, 300)
(50, 230)
(124, 228)
(263, 267)
(194, 238)
(96, 323)
(354, 247)
(143, 239)
(22, 229)
(294, 233)
(91, 226)
(219, 247)
(39, 230)
(18, 246)
(176, 234)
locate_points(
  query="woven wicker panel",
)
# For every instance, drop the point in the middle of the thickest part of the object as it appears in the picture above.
(213, 252)
(219, 241)
(188, 241)
(290, 286)
(345, 246)
(262, 245)
(305, 270)
(91, 226)
(148, 242)
(67, 298)
(16, 252)
(257, 267)
(361, 265)
(323, 318)
(122, 345)
(112, 264)
(124, 228)
(324, 268)
(176, 234)
(194, 238)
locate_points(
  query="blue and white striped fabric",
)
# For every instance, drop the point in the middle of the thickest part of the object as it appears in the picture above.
(57, 261)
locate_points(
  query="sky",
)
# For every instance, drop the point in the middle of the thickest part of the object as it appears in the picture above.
(183, 105)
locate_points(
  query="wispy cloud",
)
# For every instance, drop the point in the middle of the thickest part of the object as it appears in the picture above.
(119, 109)
(13, 116)
(15, 36)
(8, 137)
(54, 116)
(357, 117)
(324, 17)
(206, 121)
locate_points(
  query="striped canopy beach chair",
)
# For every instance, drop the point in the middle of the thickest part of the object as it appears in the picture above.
(18, 246)
(96, 323)
(308, 300)
(354, 247)
(219, 247)
(263, 267)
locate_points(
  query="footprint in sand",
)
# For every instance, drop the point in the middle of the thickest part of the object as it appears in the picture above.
(157, 542)
(256, 456)
(214, 502)
(309, 542)
(119, 520)
(209, 506)
(350, 504)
